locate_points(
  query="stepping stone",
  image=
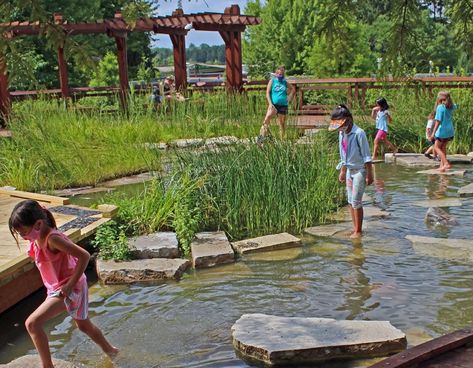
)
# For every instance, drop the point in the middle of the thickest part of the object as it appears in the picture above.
(288, 254)
(142, 270)
(368, 212)
(391, 158)
(33, 361)
(267, 242)
(448, 172)
(459, 159)
(210, 249)
(221, 141)
(330, 230)
(377, 161)
(156, 146)
(442, 248)
(470, 154)
(186, 143)
(466, 191)
(411, 160)
(80, 191)
(274, 340)
(444, 202)
(133, 179)
(157, 245)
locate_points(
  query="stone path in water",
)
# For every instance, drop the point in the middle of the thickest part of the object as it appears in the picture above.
(33, 361)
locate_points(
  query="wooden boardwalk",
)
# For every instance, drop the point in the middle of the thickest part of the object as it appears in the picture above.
(18, 274)
(454, 350)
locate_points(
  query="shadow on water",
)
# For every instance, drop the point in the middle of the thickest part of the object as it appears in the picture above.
(383, 277)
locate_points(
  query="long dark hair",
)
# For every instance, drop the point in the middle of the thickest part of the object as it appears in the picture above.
(340, 112)
(26, 213)
(383, 103)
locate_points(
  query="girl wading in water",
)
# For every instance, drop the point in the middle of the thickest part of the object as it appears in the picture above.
(61, 264)
(355, 166)
(278, 99)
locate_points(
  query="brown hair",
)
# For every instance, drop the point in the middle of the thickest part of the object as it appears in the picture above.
(431, 115)
(26, 213)
(444, 96)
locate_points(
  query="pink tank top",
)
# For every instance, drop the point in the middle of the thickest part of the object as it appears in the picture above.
(56, 268)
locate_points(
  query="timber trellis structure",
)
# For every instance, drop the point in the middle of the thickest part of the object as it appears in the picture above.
(229, 24)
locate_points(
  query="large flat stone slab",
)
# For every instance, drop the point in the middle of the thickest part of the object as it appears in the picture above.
(127, 180)
(442, 248)
(369, 212)
(141, 270)
(447, 172)
(210, 249)
(443, 202)
(274, 340)
(33, 361)
(267, 242)
(459, 159)
(157, 245)
(411, 160)
(466, 191)
(330, 229)
(286, 254)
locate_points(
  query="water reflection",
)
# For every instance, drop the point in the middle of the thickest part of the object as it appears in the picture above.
(437, 186)
(379, 191)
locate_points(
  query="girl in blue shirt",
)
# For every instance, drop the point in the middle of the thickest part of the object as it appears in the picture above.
(278, 98)
(443, 127)
(382, 116)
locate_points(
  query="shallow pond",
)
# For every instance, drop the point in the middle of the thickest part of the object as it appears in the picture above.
(187, 323)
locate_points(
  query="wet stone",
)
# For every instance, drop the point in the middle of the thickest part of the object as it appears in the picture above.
(157, 245)
(443, 202)
(442, 248)
(414, 160)
(156, 269)
(132, 179)
(329, 230)
(33, 361)
(267, 242)
(437, 217)
(466, 191)
(459, 159)
(470, 154)
(210, 249)
(447, 172)
(274, 340)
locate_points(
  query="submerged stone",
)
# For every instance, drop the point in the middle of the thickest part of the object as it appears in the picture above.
(210, 249)
(267, 242)
(459, 159)
(274, 340)
(447, 172)
(156, 269)
(442, 248)
(443, 202)
(157, 245)
(286, 254)
(330, 229)
(33, 361)
(437, 217)
(466, 191)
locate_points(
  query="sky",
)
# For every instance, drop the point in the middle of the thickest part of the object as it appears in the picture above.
(195, 6)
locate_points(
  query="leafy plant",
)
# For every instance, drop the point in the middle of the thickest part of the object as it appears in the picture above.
(112, 242)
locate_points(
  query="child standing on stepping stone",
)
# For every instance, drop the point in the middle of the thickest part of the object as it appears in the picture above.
(381, 114)
(443, 127)
(61, 264)
(355, 167)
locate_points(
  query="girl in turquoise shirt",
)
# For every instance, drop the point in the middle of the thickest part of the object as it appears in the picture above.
(443, 130)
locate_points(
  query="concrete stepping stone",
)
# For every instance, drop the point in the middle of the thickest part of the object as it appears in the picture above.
(442, 247)
(141, 270)
(186, 143)
(274, 340)
(267, 242)
(157, 245)
(330, 229)
(33, 361)
(410, 159)
(221, 141)
(470, 154)
(369, 212)
(448, 172)
(210, 249)
(132, 179)
(466, 191)
(443, 202)
(459, 159)
(287, 254)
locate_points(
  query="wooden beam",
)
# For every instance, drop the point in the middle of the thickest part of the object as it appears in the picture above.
(180, 67)
(5, 100)
(122, 71)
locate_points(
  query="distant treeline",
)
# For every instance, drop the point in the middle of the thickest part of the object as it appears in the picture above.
(195, 54)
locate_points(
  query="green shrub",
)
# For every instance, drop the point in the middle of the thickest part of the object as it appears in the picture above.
(111, 242)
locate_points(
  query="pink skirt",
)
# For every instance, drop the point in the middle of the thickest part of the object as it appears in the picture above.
(381, 135)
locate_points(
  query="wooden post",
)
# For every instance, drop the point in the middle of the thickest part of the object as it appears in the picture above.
(234, 66)
(349, 95)
(180, 66)
(5, 101)
(63, 76)
(120, 40)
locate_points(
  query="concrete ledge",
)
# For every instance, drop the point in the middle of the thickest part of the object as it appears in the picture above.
(155, 269)
(265, 243)
(275, 341)
(210, 249)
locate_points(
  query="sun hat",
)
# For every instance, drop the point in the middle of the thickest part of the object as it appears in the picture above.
(338, 117)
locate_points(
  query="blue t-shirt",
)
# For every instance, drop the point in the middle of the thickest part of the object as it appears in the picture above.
(444, 116)
(382, 118)
(279, 92)
(354, 149)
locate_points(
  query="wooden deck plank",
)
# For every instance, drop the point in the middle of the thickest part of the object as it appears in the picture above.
(422, 353)
(461, 358)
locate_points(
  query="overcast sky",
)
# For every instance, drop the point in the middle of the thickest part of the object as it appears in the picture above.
(195, 6)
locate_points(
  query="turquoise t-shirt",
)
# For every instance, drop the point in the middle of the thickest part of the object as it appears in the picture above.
(279, 92)
(382, 120)
(444, 116)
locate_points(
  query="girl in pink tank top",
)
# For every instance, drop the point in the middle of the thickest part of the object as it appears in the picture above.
(61, 264)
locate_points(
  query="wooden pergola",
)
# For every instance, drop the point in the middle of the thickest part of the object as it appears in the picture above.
(229, 24)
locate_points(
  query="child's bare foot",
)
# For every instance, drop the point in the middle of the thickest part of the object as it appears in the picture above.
(356, 235)
(112, 353)
(442, 169)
